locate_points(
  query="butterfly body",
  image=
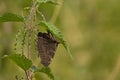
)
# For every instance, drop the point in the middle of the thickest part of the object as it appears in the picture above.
(46, 45)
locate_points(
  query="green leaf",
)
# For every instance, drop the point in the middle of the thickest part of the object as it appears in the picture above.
(45, 70)
(57, 33)
(21, 61)
(47, 1)
(10, 17)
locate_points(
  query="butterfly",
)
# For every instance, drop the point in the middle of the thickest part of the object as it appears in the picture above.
(46, 45)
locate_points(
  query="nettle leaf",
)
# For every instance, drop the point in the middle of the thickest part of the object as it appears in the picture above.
(47, 1)
(45, 70)
(21, 61)
(10, 17)
(57, 33)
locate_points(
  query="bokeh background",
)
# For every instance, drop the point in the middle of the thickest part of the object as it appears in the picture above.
(91, 28)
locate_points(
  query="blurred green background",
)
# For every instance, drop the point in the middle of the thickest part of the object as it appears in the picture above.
(91, 28)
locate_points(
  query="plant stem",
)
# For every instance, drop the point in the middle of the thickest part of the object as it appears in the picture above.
(27, 75)
(31, 19)
(32, 12)
(115, 72)
(56, 12)
(43, 17)
(30, 26)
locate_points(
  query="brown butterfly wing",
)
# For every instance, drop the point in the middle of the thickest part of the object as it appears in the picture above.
(46, 48)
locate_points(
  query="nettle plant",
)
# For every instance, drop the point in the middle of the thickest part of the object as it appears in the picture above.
(45, 42)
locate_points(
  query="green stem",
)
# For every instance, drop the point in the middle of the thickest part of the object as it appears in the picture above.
(30, 26)
(56, 12)
(31, 19)
(27, 75)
